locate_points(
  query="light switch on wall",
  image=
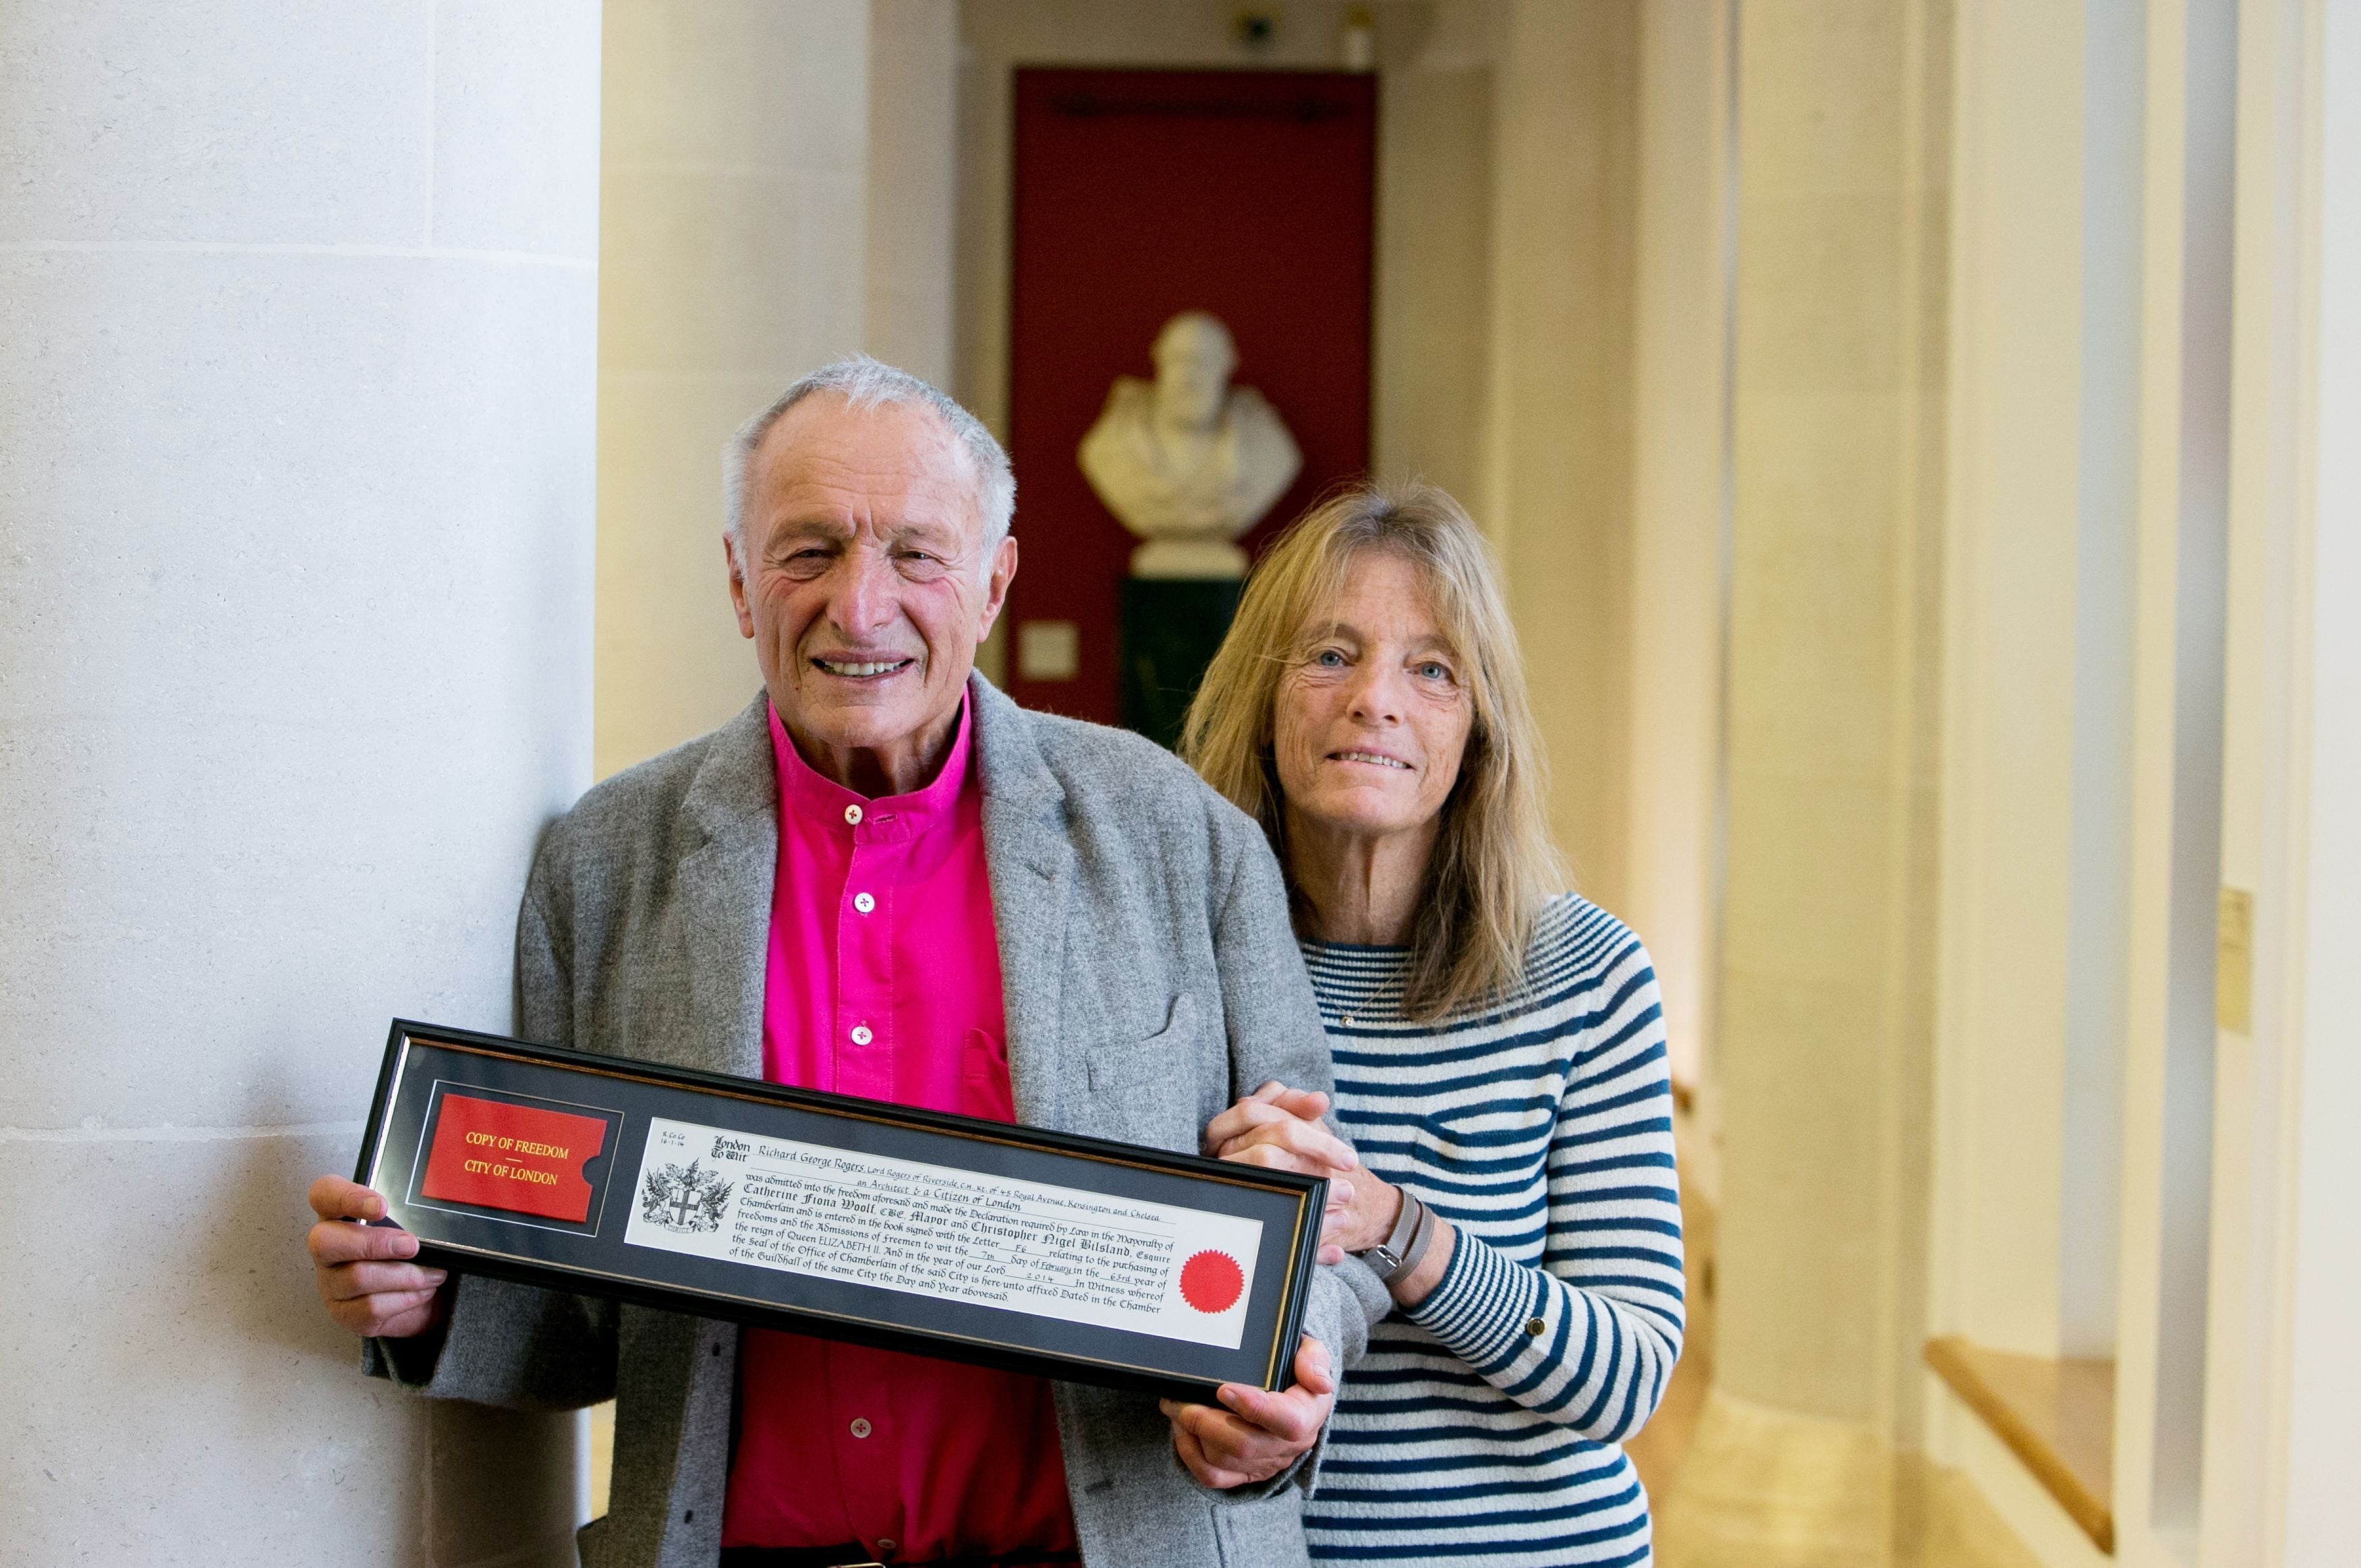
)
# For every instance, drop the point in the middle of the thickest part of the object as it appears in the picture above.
(2234, 962)
(1048, 651)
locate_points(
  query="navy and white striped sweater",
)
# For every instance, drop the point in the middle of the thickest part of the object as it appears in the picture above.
(1484, 1425)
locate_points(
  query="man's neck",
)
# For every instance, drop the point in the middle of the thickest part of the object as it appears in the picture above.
(903, 766)
(1359, 888)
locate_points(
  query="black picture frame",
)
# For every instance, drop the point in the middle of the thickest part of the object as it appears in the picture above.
(556, 1234)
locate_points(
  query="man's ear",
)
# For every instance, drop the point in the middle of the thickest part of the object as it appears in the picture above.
(737, 584)
(996, 594)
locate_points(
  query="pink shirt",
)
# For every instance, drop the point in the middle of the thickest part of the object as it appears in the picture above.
(885, 981)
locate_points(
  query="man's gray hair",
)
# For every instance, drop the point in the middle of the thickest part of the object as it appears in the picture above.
(864, 383)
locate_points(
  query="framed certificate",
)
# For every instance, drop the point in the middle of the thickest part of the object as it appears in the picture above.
(1044, 1252)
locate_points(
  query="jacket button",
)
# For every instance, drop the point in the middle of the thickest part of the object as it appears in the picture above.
(1536, 1328)
(860, 1427)
(861, 1035)
(863, 902)
(852, 815)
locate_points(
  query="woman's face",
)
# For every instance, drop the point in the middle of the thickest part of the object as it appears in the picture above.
(1372, 719)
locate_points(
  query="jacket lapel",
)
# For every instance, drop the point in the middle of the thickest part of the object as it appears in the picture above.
(1030, 860)
(725, 885)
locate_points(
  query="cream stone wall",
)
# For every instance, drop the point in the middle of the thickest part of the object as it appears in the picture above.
(913, 175)
(1826, 994)
(1566, 100)
(733, 232)
(297, 316)
(1681, 311)
(1436, 264)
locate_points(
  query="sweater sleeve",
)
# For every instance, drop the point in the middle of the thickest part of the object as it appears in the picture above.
(1588, 1337)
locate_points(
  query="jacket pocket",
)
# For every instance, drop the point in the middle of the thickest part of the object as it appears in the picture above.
(1266, 1533)
(1145, 1091)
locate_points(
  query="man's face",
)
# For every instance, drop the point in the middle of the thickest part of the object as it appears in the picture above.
(1193, 374)
(863, 587)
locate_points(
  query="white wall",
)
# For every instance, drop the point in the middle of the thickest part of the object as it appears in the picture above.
(2321, 1370)
(2045, 365)
(296, 322)
(2281, 1267)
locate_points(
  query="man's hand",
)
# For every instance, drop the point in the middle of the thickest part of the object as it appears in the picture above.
(1259, 1433)
(358, 1267)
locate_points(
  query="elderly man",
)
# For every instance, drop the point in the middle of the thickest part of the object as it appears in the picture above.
(884, 878)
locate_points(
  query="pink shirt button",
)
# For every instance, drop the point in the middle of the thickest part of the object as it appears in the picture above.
(900, 1002)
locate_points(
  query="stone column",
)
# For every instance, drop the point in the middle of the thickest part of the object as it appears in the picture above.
(732, 238)
(296, 380)
(1834, 626)
(913, 187)
(1824, 1047)
(1566, 145)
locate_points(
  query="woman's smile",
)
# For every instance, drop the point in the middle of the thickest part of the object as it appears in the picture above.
(1369, 758)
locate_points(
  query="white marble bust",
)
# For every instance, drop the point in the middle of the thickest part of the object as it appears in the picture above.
(1188, 462)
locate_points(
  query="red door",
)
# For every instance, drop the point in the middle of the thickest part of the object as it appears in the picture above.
(1140, 194)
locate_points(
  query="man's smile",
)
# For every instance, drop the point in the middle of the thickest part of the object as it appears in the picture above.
(861, 669)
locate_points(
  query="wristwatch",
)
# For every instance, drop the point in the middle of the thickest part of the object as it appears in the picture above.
(1406, 1244)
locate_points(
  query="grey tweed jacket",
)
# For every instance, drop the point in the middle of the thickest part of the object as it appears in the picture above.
(1150, 976)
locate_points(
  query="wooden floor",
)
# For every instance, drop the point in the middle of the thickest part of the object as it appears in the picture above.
(1733, 1485)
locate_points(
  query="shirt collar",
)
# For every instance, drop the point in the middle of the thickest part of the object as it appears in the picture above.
(807, 792)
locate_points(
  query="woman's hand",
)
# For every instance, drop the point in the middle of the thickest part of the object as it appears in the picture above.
(1361, 1214)
(1284, 1125)
(1280, 1128)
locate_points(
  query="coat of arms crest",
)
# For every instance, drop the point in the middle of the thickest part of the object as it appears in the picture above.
(684, 1197)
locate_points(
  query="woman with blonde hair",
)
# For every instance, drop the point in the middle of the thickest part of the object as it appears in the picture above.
(1500, 1051)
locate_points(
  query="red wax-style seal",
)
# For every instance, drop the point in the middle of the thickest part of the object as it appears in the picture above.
(496, 1155)
(1212, 1281)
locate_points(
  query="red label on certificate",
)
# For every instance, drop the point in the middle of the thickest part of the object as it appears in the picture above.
(499, 1156)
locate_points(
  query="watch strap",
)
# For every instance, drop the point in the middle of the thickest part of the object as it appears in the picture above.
(1388, 1257)
(1429, 1223)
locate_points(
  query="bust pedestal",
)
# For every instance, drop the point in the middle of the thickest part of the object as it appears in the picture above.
(1166, 634)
